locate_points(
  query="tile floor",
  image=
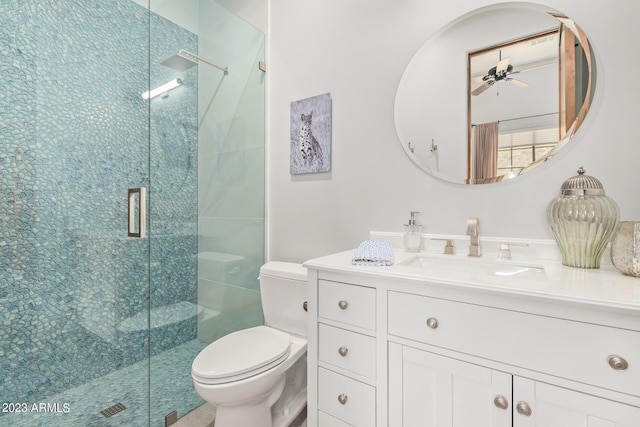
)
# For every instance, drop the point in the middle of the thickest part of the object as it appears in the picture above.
(171, 389)
(204, 415)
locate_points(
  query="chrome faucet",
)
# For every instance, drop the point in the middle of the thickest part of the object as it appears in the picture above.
(473, 230)
(504, 254)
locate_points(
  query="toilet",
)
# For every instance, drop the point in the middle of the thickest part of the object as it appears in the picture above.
(258, 376)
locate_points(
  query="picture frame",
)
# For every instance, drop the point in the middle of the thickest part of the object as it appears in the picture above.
(311, 135)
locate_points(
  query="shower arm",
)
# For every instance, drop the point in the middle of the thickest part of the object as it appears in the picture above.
(195, 58)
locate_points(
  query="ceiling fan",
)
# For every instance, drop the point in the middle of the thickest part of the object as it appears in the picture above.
(501, 72)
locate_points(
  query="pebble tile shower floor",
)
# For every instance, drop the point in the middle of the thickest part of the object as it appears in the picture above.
(171, 385)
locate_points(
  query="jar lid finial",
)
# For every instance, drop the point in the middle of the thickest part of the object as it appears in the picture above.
(582, 185)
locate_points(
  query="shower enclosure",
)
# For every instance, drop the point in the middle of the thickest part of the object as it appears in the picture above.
(107, 296)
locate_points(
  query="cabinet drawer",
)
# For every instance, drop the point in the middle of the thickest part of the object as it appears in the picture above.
(349, 304)
(358, 406)
(564, 348)
(326, 420)
(348, 350)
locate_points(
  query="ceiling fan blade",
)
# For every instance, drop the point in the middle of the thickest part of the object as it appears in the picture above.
(477, 79)
(502, 65)
(518, 82)
(482, 88)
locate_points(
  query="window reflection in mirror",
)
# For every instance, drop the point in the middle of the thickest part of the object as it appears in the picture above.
(532, 90)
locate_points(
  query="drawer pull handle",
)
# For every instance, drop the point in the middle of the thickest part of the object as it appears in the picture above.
(343, 305)
(343, 351)
(501, 402)
(305, 306)
(523, 409)
(432, 322)
(342, 399)
(618, 363)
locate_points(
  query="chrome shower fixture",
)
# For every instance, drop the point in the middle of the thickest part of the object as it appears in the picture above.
(162, 89)
(184, 60)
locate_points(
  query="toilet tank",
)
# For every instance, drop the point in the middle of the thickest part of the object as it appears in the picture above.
(283, 288)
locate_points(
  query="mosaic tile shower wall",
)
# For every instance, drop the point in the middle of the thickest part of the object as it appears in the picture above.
(75, 132)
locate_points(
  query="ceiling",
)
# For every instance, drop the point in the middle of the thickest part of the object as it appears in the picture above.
(526, 55)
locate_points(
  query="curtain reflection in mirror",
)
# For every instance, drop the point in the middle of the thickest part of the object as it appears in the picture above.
(485, 153)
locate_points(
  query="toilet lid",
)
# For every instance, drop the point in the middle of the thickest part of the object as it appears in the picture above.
(241, 354)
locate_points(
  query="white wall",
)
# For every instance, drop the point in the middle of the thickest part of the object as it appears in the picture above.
(357, 50)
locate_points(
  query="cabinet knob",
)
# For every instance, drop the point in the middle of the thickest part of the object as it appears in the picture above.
(343, 305)
(501, 402)
(523, 408)
(305, 306)
(342, 399)
(432, 322)
(618, 363)
(343, 351)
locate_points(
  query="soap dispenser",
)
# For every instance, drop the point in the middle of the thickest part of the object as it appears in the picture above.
(412, 234)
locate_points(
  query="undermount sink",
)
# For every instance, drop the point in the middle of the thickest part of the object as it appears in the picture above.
(477, 266)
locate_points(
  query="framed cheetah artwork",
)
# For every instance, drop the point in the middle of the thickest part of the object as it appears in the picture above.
(311, 135)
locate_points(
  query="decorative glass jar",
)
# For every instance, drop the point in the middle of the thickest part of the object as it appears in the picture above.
(625, 248)
(582, 220)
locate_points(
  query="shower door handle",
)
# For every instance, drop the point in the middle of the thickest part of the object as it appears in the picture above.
(137, 212)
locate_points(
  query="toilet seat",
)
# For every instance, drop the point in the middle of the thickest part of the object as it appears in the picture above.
(240, 355)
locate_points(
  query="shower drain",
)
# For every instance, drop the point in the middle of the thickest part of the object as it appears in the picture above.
(112, 410)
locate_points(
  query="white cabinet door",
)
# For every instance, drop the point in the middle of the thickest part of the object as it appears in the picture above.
(552, 406)
(429, 390)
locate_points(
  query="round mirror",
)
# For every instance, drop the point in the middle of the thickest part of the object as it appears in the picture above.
(495, 93)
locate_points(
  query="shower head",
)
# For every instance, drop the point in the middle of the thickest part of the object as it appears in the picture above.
(184, 60)
(179, 63)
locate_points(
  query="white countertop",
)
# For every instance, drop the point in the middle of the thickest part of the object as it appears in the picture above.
(605, 287)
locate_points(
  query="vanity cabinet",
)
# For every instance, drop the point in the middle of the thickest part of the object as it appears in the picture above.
(580, 351)
(401, 351)
(346, 353)
(539, 404)
(429, 390)
(426, 388)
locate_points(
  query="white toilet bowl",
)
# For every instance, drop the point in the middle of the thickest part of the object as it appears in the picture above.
(244, 374)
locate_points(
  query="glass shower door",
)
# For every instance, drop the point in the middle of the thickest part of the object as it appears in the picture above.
(173, 219)
(74, 286)
(207, 189)
(100, 321)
